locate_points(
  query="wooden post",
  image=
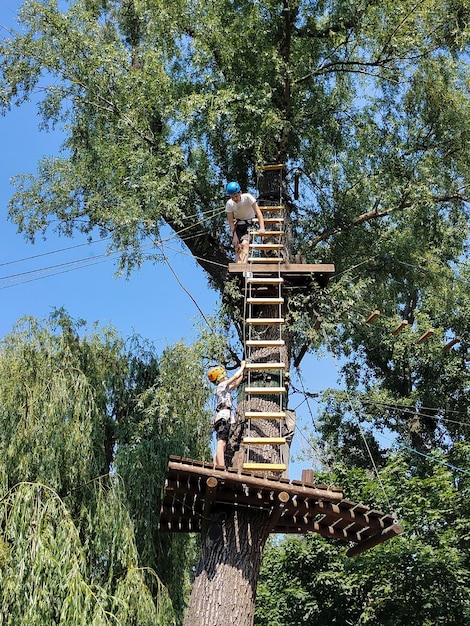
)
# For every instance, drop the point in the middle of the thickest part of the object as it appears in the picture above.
(307, 476)
(211, 489)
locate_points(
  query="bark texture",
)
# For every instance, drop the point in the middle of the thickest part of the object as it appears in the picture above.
(224, 591)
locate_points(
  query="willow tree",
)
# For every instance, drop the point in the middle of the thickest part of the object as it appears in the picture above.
(78, 505)
(365, 102)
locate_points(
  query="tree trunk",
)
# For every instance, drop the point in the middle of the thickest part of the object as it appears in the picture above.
(224, 591)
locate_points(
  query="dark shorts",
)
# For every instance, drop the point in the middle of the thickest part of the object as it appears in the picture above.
(241, 228)
(222, 429)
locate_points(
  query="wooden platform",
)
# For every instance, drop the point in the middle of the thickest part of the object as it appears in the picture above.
(193, 488)
(294, 274)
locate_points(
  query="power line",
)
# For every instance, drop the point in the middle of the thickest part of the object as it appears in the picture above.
(32, 275)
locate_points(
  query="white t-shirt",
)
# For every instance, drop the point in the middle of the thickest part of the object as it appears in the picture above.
(242, 210)
(223, 402)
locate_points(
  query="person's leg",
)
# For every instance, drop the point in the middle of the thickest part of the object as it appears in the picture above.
(243, 252)
(244, 239)
(243, 247)
(220, 453)
(222, 429)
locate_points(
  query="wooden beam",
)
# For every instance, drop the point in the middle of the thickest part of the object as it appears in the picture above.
(255, 481)
(266, 246)
(285, 268)
(265, 343)
(370, 542)
(373, 316)
(429, 333)
(450, 344)
(403, 324)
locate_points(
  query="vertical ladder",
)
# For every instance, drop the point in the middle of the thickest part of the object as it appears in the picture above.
(264, 292)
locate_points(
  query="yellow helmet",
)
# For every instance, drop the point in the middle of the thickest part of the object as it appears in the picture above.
(216, 374)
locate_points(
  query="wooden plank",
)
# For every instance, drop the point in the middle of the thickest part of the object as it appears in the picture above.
(285, 268)
(264, 321)
(265, 343)
(274, 220)
(269, 391)
(272, 166)
(272, 207)
(265, 280)
(265, 415)
(266, 246)
(450, 344)
(258, 367)
(269, 233)
(259, 259)
(265, 467)
(274, 441)
(265, 300)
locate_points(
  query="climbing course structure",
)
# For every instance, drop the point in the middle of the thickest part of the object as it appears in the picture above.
(266, 281)
(257, 476)
(265, 347)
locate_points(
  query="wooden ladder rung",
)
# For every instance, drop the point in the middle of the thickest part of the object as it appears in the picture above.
(264, 321)
(265, 300)
(273, 441)
(265, 415)
(270, 233)
(265, 391)
(265, 343)
(273, 220)
(272, 166)
(266, 246)
(265, 281)
(274, 207)
(257, 259)
(265, 467)
(258, 367)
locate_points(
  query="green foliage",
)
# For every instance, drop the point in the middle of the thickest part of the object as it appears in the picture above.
(88, 426)
(166, 415)
(418, 578)
(160, 103)
(49, 576)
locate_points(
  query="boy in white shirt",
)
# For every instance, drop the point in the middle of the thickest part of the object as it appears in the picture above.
(241, 209)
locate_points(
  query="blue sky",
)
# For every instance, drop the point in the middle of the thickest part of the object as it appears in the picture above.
(62, 272)
(150, 303)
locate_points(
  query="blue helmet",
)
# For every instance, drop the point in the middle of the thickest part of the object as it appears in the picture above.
(232, 188)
